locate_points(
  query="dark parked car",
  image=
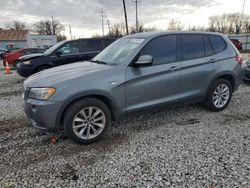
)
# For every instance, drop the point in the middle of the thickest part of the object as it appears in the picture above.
(12, 58)
(237, 43)
(135, 73)
(62, 53)
(2, 51)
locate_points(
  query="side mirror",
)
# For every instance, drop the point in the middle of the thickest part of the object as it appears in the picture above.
(58, 53)
(144, 60)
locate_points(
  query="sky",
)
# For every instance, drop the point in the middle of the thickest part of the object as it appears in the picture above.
(84, 16)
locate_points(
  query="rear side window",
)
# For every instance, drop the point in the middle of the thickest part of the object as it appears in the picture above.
(218, 43)
(193, 47)
(162, 49)
(90, 45)
(208, 47)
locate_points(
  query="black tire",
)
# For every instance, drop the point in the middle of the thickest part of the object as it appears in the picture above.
(75, 108)
(41, 68)
(209, 100)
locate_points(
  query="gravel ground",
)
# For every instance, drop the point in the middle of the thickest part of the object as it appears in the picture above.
(184, 146)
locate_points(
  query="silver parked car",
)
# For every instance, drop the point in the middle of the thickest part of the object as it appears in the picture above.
(137, 72)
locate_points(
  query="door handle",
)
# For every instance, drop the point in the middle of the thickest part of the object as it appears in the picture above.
(173, 68)
(212, 60)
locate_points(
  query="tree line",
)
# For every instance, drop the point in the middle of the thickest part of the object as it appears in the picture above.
(43, 27)
(232, 23)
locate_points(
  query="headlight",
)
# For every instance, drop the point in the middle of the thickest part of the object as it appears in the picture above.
(41, 93)
(27, 62)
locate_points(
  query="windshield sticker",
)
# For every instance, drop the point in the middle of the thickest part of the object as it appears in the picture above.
(137, 40)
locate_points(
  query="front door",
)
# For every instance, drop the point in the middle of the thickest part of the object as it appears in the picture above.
(68, 53)
(158, 83)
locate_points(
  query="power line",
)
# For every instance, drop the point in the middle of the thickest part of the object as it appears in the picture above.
(136, 13)
(125, 15)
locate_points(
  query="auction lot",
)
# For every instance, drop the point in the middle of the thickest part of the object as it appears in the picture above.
(185, 146)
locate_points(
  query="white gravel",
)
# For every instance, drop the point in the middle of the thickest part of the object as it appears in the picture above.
(184, 146)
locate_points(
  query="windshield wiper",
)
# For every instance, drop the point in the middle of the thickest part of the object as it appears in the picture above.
(99, 62)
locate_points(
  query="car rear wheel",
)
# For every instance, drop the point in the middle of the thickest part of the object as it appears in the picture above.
(219, 95)
(87, 120)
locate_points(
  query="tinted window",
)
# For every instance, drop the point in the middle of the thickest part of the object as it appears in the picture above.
(70, 48)
(208, 47)
(28, 51)
(162, 49)
(217, 43)
(193, 46)
(39, 50)
(91, 45)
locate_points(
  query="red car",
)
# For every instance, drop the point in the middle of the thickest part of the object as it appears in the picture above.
(12, 57)
(237, 43)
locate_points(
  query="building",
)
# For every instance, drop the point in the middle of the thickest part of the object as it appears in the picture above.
(23, 39)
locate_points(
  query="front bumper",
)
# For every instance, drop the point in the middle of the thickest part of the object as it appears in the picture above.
(24, 70)
(43, 114)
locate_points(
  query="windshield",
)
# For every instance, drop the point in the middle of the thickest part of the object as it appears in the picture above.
(118, 51)
(50, 50)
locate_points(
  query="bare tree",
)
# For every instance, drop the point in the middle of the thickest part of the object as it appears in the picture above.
(175, 25)
(141, 28)
(45, 27)
(229, 23)
(17, 25)
(117, 31)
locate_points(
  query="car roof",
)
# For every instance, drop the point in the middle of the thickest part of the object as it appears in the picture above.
(159, 33)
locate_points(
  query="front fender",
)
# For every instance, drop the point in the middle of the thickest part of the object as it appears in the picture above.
(97, 93)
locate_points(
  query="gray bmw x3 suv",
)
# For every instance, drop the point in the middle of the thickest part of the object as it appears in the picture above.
(137, 72)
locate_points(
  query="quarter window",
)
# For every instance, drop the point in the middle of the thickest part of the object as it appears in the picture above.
(218, 43)
(193, 47)
(162, 49)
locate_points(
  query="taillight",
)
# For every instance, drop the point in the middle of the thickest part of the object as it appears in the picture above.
(239, 59)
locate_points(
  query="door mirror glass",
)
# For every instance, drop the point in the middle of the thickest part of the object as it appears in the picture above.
(144, 60)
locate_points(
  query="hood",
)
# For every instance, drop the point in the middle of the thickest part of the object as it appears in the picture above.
(31, 56)
(56, 75)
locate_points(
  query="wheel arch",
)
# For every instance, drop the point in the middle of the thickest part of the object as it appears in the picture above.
(105, 98)
(227, 76)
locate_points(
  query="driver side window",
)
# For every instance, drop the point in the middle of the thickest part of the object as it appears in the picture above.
(162, 49)
(69, 48)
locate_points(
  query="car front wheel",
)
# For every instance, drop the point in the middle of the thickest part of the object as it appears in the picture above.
(219, 95)
(87, 120)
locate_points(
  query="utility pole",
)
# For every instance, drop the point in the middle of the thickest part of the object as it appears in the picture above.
(108, 23)
(70, 32)
(242, 15)
(136, 13)
(125, 15)
(102, 14)
(52, 24)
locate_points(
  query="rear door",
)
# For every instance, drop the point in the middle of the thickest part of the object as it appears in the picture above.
(155, 84)
(197, 65)
(90, 48)
(69, 53)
